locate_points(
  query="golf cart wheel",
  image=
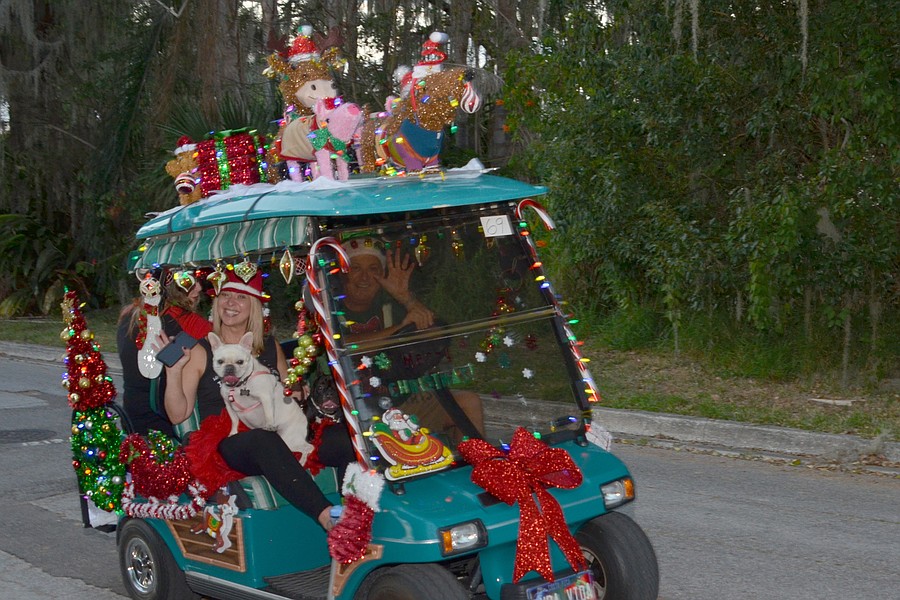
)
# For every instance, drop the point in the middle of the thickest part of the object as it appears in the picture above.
(412, 582)
(148, 569)
(620, 557)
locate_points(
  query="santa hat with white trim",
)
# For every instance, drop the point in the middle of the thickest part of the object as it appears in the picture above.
(303, 47)
(249, 284)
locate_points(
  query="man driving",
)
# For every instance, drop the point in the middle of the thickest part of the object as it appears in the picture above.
(376, 288)
(378, 303)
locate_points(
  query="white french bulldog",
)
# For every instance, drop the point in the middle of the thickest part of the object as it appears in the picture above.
(254, 395)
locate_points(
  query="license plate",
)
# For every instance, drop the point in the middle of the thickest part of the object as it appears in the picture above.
(579, 586)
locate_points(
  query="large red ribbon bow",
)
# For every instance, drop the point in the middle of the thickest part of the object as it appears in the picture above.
(522, 475)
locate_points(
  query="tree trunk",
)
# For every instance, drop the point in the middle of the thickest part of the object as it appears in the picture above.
(845, 359)
(875, 311)
(462, 13)
(807, 313)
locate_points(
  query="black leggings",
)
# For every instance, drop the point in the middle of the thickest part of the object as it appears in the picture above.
(262, 452)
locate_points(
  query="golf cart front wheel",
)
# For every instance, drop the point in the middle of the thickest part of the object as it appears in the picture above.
(148, 568)
(412, 582)
(620, 557)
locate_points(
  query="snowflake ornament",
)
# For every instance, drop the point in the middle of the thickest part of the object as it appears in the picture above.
(480, 356)
(527, 373)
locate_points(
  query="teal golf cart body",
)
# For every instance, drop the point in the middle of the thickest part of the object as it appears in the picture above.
(501, 338)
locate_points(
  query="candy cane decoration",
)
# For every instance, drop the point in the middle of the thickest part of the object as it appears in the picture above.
(147, 363)
(540, 210)
(586, 377)
(328, 335)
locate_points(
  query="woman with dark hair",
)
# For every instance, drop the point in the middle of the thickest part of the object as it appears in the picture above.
(142, 403)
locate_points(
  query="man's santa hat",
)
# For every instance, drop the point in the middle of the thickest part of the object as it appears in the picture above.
(303, 48)
(365, 246)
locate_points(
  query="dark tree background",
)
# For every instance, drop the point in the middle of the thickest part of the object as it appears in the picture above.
(718, 160)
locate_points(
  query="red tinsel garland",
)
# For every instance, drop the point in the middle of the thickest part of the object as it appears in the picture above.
(348, 541)
(153, 478)
(86, 380)
(202, 452)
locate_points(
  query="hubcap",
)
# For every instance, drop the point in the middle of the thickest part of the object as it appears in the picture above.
(140, 567)
(597, 572)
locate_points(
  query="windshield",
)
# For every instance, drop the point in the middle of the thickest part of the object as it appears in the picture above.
(492, 359)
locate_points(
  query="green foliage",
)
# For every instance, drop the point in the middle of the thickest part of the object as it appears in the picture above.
(39, 265)
(741, 177)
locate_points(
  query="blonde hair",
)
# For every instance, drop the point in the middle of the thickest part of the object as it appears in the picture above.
(254, 322)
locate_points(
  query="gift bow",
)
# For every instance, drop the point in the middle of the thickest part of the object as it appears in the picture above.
(521, 475)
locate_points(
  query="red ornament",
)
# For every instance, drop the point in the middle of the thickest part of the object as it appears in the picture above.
(520, 476)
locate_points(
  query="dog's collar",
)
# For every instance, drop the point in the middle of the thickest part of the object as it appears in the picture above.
(237, 405)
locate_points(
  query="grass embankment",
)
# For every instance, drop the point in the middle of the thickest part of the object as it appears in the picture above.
(727, 372)
(771, 382)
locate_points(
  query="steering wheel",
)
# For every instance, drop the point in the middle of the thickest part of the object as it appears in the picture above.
(408, 328)
(414, 360)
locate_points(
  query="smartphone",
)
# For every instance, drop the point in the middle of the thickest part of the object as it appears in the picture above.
(173, 352)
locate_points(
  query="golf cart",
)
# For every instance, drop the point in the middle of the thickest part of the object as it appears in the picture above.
(472, 507)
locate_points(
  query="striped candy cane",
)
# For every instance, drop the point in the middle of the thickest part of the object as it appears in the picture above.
(586, 377)
(540, 210)
(328, 335)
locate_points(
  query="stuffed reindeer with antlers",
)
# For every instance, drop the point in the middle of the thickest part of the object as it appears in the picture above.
(305, 81)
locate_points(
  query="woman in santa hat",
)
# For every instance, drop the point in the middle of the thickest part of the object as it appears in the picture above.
(238, 309)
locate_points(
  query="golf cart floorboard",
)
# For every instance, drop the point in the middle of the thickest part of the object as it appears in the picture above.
(308, 585)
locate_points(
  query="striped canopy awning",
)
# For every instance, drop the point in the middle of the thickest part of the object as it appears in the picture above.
(206, 245)
(265, 218)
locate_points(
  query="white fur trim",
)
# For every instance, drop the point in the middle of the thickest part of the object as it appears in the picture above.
(364, 485)
(243, 288)
(185, 148)
(422, 71)
(298, 58)
(400, 72)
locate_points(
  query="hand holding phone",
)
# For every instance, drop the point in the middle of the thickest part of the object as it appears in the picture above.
(172, 353)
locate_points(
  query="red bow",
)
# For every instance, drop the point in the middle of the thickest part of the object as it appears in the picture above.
(520, 475)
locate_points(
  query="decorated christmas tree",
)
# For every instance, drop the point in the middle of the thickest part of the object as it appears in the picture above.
(96, 436)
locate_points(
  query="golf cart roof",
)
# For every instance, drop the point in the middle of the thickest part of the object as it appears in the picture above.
(262, 218)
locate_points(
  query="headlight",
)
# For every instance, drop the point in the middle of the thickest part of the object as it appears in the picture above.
(462, 538)
(617, 492)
